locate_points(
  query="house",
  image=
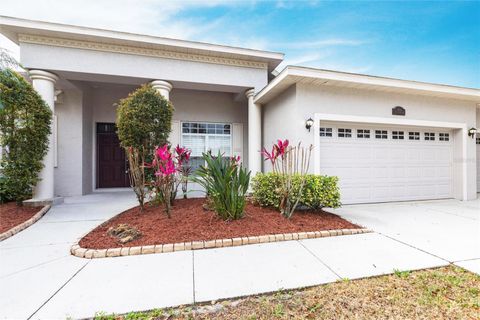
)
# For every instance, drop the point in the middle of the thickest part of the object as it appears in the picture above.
(386, 139)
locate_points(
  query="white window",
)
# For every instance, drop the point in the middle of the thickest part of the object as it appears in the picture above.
(363, 133)
(412, 135)
(203, 137)
(398, 135)
(429, 136)
(344, 133)
(326, 132)
(444, 136)
(381, 134)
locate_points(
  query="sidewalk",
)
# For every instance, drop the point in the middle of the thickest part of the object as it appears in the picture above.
(40, 280)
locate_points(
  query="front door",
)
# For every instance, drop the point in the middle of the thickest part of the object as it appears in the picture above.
(111, 160)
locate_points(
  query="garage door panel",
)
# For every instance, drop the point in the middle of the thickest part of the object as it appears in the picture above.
(380, 170)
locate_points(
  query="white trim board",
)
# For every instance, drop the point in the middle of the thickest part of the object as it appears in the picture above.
(318, 117)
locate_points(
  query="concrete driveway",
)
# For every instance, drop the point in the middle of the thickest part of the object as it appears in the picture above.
(39, 279)
(448, 229)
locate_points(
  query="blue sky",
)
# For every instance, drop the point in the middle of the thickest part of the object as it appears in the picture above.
(426, 41)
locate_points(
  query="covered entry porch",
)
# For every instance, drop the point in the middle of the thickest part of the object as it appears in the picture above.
(86, 151)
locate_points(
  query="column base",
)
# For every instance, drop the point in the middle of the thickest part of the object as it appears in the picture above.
(42, 202)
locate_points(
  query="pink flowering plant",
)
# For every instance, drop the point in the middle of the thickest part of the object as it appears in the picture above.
(169, 171)
(290, 163)
(184, 168)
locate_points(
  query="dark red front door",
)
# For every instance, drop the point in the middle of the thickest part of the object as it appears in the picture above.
(111, 161)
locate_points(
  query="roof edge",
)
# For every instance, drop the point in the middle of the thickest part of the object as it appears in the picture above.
(292, 73)
(8, 23)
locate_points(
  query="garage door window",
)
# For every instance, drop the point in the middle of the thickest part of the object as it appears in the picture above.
(326, 132)
(412, 135)
(444, 136)
(363, 133)
(429, 136)
(381, 134)
(344, 133)
(398, 135)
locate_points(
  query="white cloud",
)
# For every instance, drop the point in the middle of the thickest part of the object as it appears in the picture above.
(155, 17)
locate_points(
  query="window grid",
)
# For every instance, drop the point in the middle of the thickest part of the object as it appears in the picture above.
(444, 136)
(344, 133)
(205, 128)
(398, 135)
(478, 140)
(381, 134)
(429, 136)
(326, 132)
(363, 133)
(414, 135)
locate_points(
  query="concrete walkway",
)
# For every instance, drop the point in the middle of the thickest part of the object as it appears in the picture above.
(40, 280)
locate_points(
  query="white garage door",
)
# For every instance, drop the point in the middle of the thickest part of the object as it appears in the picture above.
(385, 163)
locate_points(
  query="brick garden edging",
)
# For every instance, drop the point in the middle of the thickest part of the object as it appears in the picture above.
(80, 252)
(25, 224)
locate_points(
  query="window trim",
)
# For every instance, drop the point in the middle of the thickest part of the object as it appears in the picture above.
(430, 135)
(346, 134)
(444, 136)
(381, 134)
(364, 134)
(414, 134)
(398, 135)
(325, 132)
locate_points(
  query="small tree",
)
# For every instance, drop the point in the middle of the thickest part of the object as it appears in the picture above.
(143, 121)
(24, 130)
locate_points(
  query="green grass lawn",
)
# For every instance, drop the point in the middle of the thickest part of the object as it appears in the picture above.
(443, 293)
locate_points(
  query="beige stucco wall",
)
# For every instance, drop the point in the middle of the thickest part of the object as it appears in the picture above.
(301, 102)
(69, 138)
(279, 120)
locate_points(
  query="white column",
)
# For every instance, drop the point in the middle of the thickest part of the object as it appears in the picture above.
(254, 134)
(163, 87)
(44, 84)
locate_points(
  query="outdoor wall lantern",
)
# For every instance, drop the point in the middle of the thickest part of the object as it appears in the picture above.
(472, 132)
(309, 124)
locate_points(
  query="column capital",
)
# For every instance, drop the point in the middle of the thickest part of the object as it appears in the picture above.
(42, 75)
(161, 85)
(250, 93)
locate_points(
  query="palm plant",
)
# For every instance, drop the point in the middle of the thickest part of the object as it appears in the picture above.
(226, 183)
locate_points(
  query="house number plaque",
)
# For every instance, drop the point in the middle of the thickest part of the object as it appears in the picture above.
(398, 111)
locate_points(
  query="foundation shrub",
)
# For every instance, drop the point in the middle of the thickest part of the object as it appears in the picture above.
(24, 134)
(317, 192)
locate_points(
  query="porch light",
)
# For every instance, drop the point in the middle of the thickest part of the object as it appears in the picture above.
(472, 132)
(309, 124)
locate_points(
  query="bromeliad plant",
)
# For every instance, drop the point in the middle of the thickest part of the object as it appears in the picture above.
(226, 183)
(184, 168)
(290, 163)
(170, 170)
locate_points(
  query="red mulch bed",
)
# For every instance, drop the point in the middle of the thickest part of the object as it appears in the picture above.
(190, 222)
(12, 215)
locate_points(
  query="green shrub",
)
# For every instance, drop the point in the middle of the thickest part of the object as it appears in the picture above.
(318, 191)
(24, 130)
(144, 121)
(226, 183)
